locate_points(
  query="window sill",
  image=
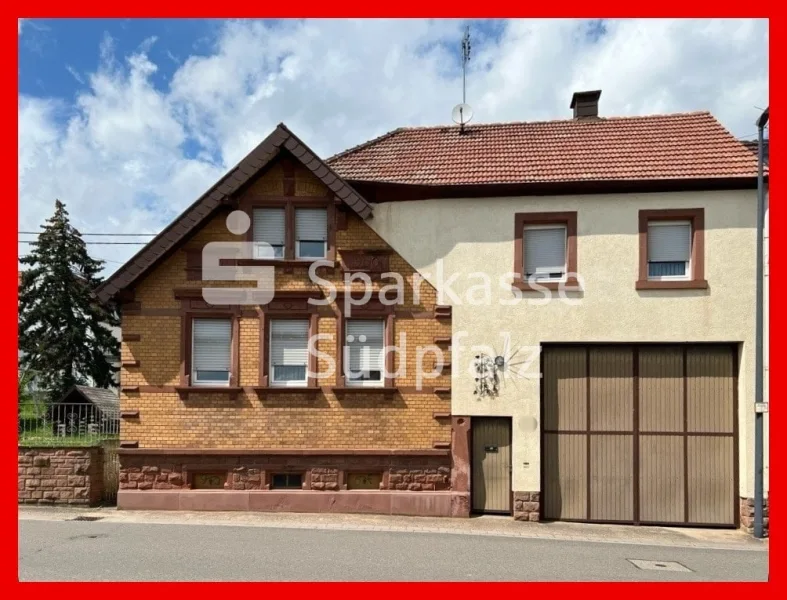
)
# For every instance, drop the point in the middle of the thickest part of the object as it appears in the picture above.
(690, 284)
(276, 262)
(569, 284)
(363, 389)
(186, 390)
(287, 389)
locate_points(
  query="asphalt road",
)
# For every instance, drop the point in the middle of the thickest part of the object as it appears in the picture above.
(96, 551)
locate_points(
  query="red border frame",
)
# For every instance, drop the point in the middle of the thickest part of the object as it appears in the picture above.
(47, 8)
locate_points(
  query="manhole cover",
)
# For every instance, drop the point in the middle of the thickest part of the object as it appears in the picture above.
(659, 565)
(85, 518)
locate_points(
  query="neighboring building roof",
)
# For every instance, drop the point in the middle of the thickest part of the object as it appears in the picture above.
(102, 398)
(754, 147)
(281, 139)
(660, 147)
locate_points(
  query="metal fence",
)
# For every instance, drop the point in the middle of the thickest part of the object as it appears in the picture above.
(111, 470)
(42, 424)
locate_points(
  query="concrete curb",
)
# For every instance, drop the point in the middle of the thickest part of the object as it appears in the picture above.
(483, 526)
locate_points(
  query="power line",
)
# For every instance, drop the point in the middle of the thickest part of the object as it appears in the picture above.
(93, 243)
(104, 234)
(101, 258)
(756, 133)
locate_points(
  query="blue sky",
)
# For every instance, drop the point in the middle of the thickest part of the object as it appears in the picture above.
(128, 121)
(50, 47)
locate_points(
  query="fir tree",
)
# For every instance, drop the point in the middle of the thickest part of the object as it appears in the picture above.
(63, 329)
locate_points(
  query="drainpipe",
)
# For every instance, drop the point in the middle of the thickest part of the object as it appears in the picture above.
(759, 407)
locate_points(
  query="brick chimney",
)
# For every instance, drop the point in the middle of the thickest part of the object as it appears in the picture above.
(585, 104)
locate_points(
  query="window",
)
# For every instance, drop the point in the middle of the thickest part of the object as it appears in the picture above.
(289, 352)
(211, 351)
(269, 227)
(294, 230)
(287, 481)
(363, 359)
(672, 249)
(545, 252)
(669, 250)
(311, 232)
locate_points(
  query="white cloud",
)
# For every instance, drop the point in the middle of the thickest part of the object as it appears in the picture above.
(75, 74)
(19, 25)
(117, 158)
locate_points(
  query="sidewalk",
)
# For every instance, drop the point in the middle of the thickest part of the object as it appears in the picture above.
(722, 539)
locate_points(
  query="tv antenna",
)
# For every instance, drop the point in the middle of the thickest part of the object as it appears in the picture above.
(462, 113)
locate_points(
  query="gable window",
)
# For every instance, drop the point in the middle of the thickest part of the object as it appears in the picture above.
(672, 249)
(669, 250)
(293, 229)
(269, 227)
(211, 352)
(364, 346)
(289, 352)
(311, 232)
(545, 250)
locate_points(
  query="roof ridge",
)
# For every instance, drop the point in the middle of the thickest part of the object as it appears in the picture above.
(546, 121)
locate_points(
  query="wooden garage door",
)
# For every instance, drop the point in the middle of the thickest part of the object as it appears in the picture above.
(640, 434)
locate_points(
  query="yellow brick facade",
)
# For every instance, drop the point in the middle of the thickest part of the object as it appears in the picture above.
(260, 420)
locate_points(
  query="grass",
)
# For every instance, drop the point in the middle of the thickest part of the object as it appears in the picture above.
(47, 438)
(32, 411)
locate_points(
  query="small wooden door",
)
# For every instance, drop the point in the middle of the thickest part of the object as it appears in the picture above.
(491, 478)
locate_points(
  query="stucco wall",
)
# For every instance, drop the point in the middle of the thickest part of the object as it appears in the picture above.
(477, 235)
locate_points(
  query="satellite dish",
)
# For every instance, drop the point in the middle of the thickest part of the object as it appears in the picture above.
(462, 114)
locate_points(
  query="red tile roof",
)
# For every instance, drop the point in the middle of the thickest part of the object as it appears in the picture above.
(677, 146)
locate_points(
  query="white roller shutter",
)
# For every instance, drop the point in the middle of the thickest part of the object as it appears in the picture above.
(289, 347)
(211, 344)
(269, 226)
(669, 242)
(365, 341)
(290, 342)
(311, 224)
(545, 250)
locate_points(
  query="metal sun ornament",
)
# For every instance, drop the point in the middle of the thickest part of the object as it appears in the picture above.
(487, 380)
(491, 373)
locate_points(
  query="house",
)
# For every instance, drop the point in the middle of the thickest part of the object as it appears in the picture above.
(578, 312)
(616, 347)
(226, 405)
(85, 410)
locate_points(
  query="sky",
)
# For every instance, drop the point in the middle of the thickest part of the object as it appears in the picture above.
(128, 121)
